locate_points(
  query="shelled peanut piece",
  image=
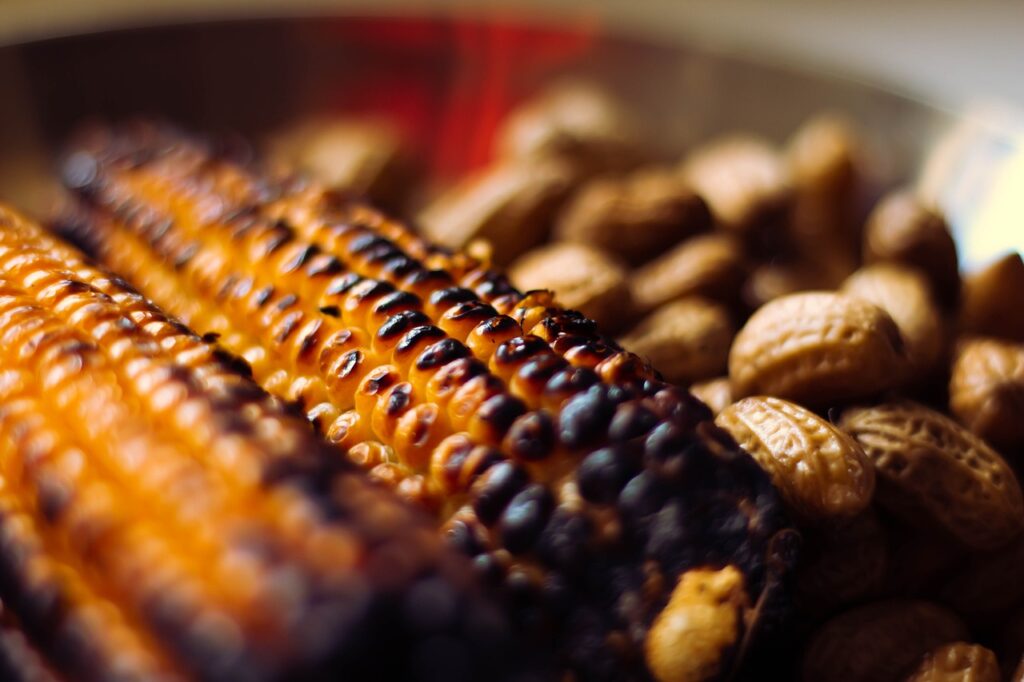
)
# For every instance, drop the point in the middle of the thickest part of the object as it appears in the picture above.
(163, 518)
(590, 493)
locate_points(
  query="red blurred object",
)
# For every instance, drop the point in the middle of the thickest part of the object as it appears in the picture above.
(491, 67)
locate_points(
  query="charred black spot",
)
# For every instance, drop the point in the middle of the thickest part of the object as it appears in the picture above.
(585, 416)
(441, 353)
(418, 335)
(263, 295)
(495, 489)
(287, 301)
(603, 473)
(459, 372)
(539, 370)
(495, 285)
(401, 266)
(447, 297)
(500, 411)
(399, 400)
(525, 517)
(275, 239)
(498, 325)
(461, 537)
(520, 349)
(343, 284)
(380, 382)
(382, 253)
(423, 276)
(210, 337)
(299, 258)
(682, 407)
(571, 380)
(324, 265)
(331, 310)
(350, 362)
(232, 362)
(471, 310)
(370, 289)
(399, 323)
(288, 326)
(532, 436)
(309, 339)
(366, 242)
(397, 300)
(631, 420)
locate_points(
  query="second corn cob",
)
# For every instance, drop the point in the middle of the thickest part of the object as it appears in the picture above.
(582, 485)
(162, 518)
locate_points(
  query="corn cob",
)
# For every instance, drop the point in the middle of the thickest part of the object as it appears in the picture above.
(581, 484)
(164, 519)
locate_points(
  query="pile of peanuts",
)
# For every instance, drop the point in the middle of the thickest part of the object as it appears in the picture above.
(833, 336)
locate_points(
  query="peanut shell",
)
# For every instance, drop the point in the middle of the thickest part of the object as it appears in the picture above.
(820, 472)
(986, 391)
(935, 473)
(817, 348)
(904, 294)
(686, 340)
(957, 662)
(879, 642)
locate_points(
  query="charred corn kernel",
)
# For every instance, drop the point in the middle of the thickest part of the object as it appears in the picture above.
(581, 485)
(163, 518)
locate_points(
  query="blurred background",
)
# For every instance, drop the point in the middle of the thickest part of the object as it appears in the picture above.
(935, 84)
(945, 50)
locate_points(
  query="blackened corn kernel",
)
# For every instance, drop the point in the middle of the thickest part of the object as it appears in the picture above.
(603, 473)
(631, 420)
(495, 416)
(524, 518)
(532, 437)
(584, 417)
(495, 489)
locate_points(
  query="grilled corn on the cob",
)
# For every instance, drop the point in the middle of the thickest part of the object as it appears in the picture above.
(581, 484)
(163, 518)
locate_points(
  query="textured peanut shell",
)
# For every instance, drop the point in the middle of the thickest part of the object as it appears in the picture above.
(986, 391)
(817, 348)
(904, 294)
(957, 662)
(880, 642)
(903, 229)
(933, 472)
(992, 297)
(693, 636)
(686, 340)
(581, 277)
(821, 473)
(637, 217)
(710, 265)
